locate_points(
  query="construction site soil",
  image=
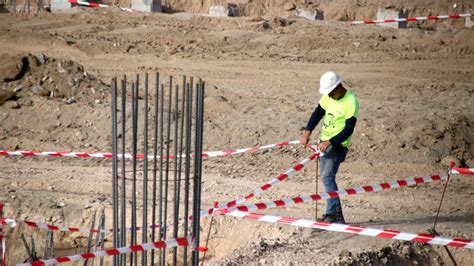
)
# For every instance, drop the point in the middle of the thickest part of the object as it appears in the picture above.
(415, 87)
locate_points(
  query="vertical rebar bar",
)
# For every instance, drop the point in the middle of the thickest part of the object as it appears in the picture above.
(137, 96)
(114, 167)
(155, 162)
(186, 140)
(27, 247)
(52, 250)
(187, 170)
(197, 169)
(33, 248)
(180, 152)
(99, 233)
(102, 237)
(89, 239)
(123, 220)
(145, 174)
(195, 229)
(46, 246)
(175, 172)
(168, 139)
(134, 170)
(160, 236)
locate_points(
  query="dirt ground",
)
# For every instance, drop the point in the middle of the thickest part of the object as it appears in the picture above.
(415, 88)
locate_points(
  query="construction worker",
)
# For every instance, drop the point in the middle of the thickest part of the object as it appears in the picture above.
(340, 109)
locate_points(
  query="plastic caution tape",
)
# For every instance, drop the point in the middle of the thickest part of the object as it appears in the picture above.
(463, 171)
(380, 21)
(359, 230)
(91, 4)
(290, 172)
(183, 241)
(141, 156)
(339, 193)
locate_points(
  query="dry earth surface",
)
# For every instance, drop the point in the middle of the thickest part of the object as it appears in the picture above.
(415, 88)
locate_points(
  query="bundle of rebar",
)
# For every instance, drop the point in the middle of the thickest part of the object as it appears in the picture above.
(177, 125)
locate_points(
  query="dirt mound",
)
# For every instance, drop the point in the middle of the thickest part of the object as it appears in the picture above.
(25, 76)
(333, 10)
(398, 253)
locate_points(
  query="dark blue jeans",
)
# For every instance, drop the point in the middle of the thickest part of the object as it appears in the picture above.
(329, 165)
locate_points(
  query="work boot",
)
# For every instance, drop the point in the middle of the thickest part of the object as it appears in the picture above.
(340, 218)
(327, 218)
(333, 218)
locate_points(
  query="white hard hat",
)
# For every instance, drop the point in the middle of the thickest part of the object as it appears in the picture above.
(329, 82)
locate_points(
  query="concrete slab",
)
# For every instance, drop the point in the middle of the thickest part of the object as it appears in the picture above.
(384, 13)
(311, 15)
(468, 23)
(60, 5)
(147, 5)
(219, 11)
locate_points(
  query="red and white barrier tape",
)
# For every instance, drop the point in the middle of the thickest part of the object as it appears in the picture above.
(91, 4)
(39, 225)
(463, 171)
(339, 193)
(140, 156)
(266, 186)
(380, 21)
(392, 234)
(257, 206)
(183, 241)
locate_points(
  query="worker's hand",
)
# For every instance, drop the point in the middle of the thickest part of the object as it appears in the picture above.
(304, 139)
(323, 146)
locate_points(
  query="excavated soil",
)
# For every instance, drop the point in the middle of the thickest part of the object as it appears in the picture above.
(415, 88)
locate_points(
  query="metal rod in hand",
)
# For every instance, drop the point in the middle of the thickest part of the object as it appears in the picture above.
(441, 201)
(89, 239)
(155, 163)
(209, 232)
(145, 174)
(114, 168)
(438, 211)
(317, 189)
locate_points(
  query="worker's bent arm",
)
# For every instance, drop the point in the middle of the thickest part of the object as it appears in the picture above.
(316, 116)
(345, 133)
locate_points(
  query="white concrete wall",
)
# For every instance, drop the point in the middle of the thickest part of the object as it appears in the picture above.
(468, 23)
(147, 5)
(219, 11)
(59, 5)
(383, 13)
(311, 15)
